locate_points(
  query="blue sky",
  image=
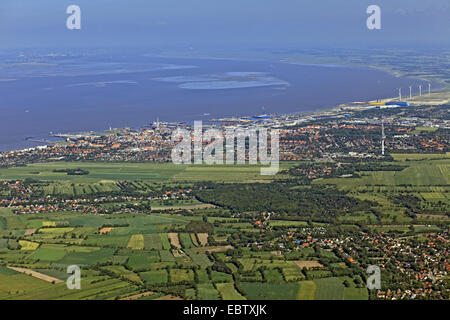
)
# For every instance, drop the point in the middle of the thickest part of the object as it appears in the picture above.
(224, 23)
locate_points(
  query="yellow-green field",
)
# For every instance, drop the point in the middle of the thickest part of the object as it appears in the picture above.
(419, 156)
(307, 290)
(28, 245)
(419, 173)
(136, 242)
(228, 292)
(106, 172)
(55, 230)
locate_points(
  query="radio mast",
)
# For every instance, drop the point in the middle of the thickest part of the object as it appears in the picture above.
(382, 136)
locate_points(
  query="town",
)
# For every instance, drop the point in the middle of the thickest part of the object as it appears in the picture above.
(347, 133)
(145, 228)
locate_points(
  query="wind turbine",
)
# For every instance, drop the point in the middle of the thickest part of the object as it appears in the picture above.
(429, 89)
(410, 92)
(400, 93)
(420, 90)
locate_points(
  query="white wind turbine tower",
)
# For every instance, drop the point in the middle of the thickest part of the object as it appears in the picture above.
(429, 89)
(420, 90)
(410, 92)
(400, 93)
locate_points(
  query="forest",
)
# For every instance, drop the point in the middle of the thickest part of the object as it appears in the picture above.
(283, 198)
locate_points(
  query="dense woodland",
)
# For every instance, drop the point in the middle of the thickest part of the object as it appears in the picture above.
(282, 198)
(338, 169)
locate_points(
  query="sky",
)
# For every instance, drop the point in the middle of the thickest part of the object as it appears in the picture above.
(224, 23)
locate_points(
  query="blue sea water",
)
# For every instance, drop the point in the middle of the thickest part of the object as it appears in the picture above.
(79, 92)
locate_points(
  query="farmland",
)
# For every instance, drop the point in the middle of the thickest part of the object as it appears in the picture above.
(426, 179)
(101, 175)
(146, 231)
(128, 263)
(98, 172)
(228, 292)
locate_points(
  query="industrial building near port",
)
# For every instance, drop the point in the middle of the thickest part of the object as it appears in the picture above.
(393, 103)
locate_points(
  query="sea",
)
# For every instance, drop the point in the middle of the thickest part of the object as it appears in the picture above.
(47, 93)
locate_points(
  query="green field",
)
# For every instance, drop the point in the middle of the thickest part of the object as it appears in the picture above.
(155, 277)
(319, 289)
(142, 260)
(55, 230)
(199, 258)
(419, 156)
(107, 240)
(165, 241)
(153, 241)
(3, 243)
(426, 178)
(228, 291)
(217, 276)
(329, 289)
(292, 273)
(273, 275)
(49, 252)
(307, 290)
(355, 294)
(136, 242)
(206, 291)
(242, 260)
(270, 291)
(20, 286)
(221, 173)
(102, 175)
(120, 271)
(202, 275)
(421, 173)
(186, 241)
(181, 275)
(98, 171)
(166, 256)
(87, 258)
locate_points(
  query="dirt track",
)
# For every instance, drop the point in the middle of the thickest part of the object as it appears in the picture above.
(308, 264)
(140, 295)
(36, 274)
(168, 297)
(180, 207)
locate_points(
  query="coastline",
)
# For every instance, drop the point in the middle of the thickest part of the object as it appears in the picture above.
(314, 111)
